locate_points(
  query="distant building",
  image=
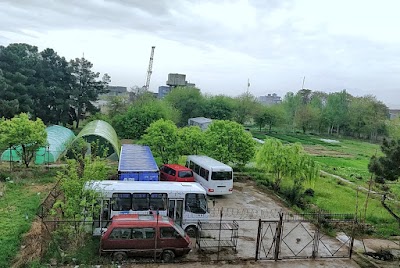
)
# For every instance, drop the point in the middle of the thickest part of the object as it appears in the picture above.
(174, 80)
(270, 99)
(394, 113)
(201, 122)
(116, 91)
(163, 91)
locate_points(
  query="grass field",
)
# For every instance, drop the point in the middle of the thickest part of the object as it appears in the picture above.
(22, 192)
(348, 159)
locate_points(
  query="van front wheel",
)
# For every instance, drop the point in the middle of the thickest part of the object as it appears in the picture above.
(119, 256)
(191, 231)
(168, 255)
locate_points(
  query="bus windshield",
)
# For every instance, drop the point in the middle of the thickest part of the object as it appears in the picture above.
(196, 203)
(221, 175)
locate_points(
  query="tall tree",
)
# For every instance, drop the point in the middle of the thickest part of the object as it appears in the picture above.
(133, 123)
(246, 107)
(336, 111)
(188, 100)
(18, 64)
(52, 95)
(386, 167)
(163, 138)
(291, 103)
(228, 142)
(21, 131)
(193, 140)
(218, 107)
(86, 88)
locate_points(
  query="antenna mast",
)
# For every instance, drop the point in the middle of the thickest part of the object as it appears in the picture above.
(149, 70)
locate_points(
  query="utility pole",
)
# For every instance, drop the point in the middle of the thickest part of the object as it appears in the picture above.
(149, 70)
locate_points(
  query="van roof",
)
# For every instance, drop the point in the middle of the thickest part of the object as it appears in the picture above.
(177, 167)
(123, 220)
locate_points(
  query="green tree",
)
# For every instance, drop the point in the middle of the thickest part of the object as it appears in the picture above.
(393, 127)
(21, 131)
(286, 161)
(228, 142)
(337, 110)
(306, 117)
(246, 106)
(291, 104)
(86, 88)
(218, 107)
(79, 202)
(163, 138)
(188, 100)
(386, 167)
(51, 98)
(133, 123)
(270, 116)
(18, 63)
(193, 140)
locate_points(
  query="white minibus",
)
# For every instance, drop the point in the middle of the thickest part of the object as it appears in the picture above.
(184, 202)
(214, 176)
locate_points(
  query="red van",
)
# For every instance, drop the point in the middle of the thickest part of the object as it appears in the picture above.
(175, 172)
(144, 235)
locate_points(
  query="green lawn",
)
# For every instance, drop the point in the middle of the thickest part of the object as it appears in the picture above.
(18, 207)
(349, 159)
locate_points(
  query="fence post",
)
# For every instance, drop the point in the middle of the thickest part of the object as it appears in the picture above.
(316, 237)
(353, 231)
(278, 236)
(258, 239)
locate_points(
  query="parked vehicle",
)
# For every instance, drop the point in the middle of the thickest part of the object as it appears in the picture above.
(144, 235)
(174, 172)
(136, 163)
(185, 203)
(214, 176)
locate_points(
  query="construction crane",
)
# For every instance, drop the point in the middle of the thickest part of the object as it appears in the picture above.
(149, 70)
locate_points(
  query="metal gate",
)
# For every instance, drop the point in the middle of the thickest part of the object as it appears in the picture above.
(300, 236)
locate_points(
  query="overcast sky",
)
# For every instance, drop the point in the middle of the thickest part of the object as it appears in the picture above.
(219, 45)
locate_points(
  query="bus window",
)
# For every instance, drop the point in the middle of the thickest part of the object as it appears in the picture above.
(196, 169)
(121, 202)
(221, 176)
(140, 202)
(196, 203)
(191, 166)
(158, 201)
(203, 173)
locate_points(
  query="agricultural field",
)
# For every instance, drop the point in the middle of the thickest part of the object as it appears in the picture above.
(344, 186)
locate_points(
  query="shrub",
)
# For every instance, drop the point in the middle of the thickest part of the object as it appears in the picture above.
(309, 192)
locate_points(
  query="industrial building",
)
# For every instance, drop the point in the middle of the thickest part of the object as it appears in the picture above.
(174, 80)
(270, 99)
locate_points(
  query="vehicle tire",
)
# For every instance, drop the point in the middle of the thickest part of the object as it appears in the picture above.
(191, 231)
(119, 256)
(168, 255)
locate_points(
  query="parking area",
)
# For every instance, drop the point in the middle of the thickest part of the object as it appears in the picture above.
(246, 206)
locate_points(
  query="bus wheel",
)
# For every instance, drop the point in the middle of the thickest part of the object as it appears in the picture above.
(168, 255)
(191, 231)
(119, 256)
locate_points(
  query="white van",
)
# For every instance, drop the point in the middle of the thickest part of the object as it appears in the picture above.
(215, 177)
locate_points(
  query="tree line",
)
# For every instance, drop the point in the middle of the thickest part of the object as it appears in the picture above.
(46, 85)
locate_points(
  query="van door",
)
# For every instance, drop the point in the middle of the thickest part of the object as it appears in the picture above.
(175, 210)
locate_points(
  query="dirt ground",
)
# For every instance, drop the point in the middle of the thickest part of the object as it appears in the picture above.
(246, 205)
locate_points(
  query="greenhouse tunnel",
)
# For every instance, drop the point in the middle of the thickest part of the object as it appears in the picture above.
(58, 140)
(102, 131)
